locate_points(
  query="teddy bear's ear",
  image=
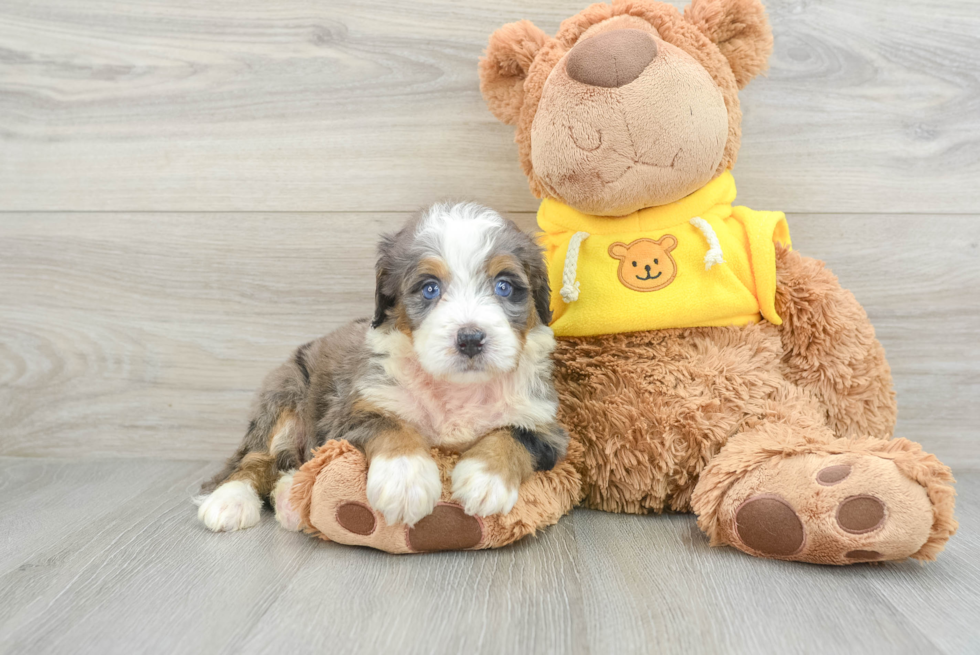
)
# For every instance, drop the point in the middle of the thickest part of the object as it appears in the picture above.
(741, 31)
(503, 68)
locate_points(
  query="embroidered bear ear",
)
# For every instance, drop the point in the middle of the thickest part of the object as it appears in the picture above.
(668, 242)
(741, 31)
(504, 67)
(618, 251)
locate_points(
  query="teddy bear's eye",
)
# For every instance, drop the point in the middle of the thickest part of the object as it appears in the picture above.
(634, 264)
(656, 261)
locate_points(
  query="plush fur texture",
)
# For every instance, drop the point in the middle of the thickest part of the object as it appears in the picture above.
(740, 30)
(658, 412)
(830, 349)
(778, 437)
(502, 71)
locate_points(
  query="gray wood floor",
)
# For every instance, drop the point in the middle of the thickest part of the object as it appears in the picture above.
(106, 556)
(189, 190)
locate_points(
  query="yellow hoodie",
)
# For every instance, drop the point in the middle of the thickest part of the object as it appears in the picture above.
(696, 262)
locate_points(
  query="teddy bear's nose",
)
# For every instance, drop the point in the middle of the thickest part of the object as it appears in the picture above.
(612, 59)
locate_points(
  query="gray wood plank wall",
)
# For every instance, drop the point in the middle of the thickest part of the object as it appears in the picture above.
(189, 190)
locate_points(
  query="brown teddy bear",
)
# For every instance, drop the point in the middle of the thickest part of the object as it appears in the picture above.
(703, 365)
(747, 386)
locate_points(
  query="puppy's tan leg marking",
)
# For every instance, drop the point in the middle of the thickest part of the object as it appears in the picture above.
(503, 455)
(403, 480)
(237, 503)
(258, 470)
(395, 443)
(487, 477)
(283, 435)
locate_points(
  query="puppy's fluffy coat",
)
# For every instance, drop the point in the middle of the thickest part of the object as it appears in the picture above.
(458, 355)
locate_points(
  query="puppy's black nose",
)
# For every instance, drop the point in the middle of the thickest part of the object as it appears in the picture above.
(469, 341)
(647, 267)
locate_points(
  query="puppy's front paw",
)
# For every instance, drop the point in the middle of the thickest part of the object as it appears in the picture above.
(481, 492)
(404, 489)
(232, 506)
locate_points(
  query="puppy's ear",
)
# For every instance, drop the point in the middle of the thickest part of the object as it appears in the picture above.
(503, 68)
(537, 277)
(741, 31)
(541, 292)
(385, 293)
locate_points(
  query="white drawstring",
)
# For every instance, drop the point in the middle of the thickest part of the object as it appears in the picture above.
(714, 254)
(570, 286)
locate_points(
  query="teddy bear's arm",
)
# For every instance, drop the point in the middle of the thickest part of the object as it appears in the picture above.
(830, 348)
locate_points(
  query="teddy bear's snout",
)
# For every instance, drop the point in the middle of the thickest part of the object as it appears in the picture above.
(612, 59)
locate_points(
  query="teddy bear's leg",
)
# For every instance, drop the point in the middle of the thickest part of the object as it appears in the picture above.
(329, 493)
(830, 349)
(800, 493)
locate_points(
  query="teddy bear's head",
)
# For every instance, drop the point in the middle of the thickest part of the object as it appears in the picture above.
(630, 105)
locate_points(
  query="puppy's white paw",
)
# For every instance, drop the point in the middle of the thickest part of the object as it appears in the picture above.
(481, 492)
(404, 489)
(232, 506)
(287, 517)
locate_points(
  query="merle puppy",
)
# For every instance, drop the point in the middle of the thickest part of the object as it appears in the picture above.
(457, 356)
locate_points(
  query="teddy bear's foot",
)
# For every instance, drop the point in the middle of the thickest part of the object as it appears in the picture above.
(448, 527)
(832, 509)
(329, 493)
(841, 503)
(339, 510)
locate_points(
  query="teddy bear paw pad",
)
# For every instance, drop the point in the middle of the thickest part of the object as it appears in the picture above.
(448, 527)
(832, 475)
(356, 518)
(836, 509)
(769, 525)
(860, 514)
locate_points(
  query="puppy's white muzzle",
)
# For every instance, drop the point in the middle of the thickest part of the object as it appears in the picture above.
(467, 337)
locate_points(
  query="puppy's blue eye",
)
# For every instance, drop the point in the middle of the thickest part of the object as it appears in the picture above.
(503, 288)
(431, 290)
